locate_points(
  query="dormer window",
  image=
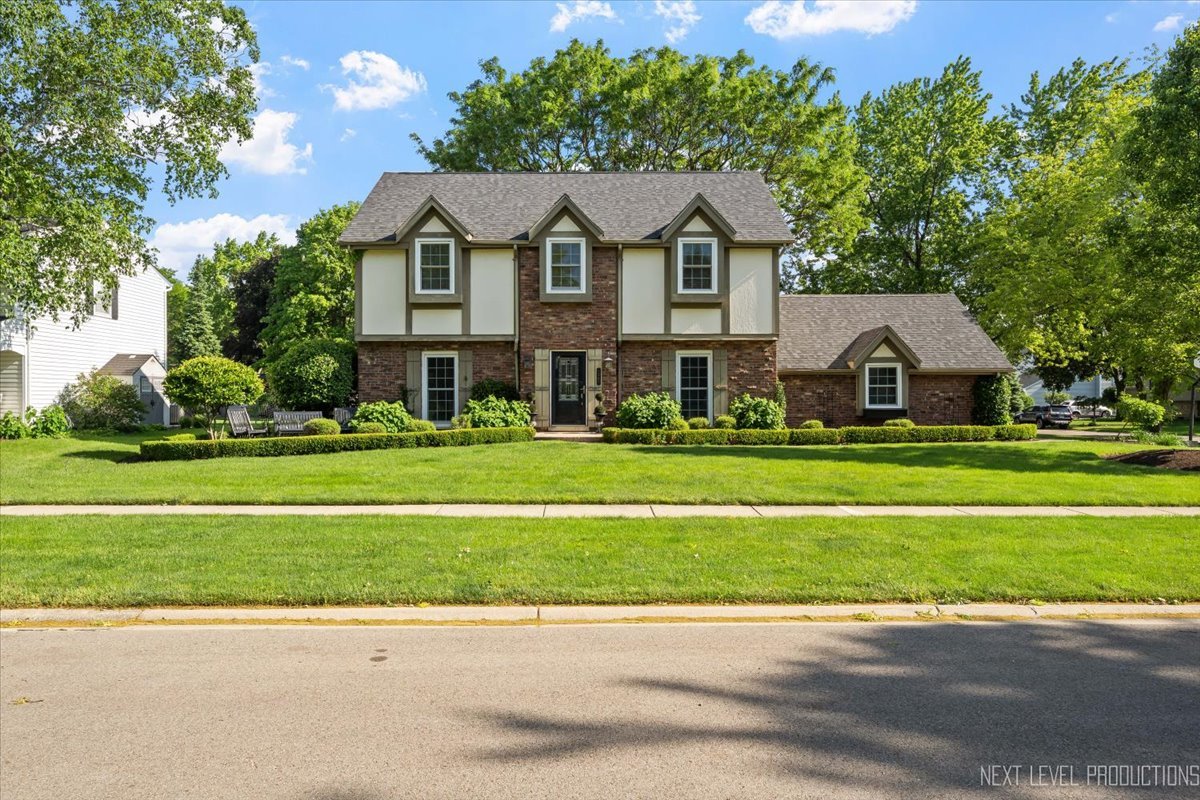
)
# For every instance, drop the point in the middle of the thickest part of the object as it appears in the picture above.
(697, 265)
(567, 267)
(883, 386)
(435, 266)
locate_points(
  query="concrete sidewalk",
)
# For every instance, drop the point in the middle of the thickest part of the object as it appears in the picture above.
(627, 510)
(535, 615)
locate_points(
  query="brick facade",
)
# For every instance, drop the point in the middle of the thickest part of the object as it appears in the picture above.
(941, 399)
(383, 366)
(751, 365)
(932, 399)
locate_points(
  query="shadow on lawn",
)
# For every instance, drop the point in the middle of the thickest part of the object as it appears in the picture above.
(115, 456)
(909, 710)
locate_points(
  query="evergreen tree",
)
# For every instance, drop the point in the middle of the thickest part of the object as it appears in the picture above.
(196, 335)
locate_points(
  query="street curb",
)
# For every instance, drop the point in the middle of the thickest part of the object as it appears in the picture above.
(580, 615)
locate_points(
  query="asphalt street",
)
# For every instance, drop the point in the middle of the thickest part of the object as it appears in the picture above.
(799, 710)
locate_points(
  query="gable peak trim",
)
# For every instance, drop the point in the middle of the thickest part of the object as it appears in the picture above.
(432, 204)
(698, 203)
(565, 203)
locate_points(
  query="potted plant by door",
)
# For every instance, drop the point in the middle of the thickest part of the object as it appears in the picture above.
(601, 412)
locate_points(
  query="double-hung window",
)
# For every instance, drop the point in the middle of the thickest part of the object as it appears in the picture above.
(566, 267)
(693, 383)
(435, 266)
(883, 386)
(440, 387)
(697, 265)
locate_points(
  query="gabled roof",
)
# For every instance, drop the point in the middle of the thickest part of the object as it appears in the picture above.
(123, 365)
(825, 332)
(870, 340)
(431, 204)
(626, 206)
(698, 203)
(565, 202)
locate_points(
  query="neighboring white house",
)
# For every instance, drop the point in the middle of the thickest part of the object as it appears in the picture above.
(1093, 387)
(38, 360)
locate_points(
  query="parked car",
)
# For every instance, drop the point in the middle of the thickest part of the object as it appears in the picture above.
(1047, 416)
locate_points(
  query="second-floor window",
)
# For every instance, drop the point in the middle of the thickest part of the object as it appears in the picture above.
(566, 265)
(697, 265)
(435, 266)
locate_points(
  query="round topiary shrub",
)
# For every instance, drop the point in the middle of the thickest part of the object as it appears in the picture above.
(1141, 413)
(651, 410)
(371, 427)
(313, 375)
(678, 424)
(811, 424)
(322, 427)
(757, 413)
(209, 383)
(697, 423)
(394, 417)
(725, 422)
(420, 426)
(901, 422)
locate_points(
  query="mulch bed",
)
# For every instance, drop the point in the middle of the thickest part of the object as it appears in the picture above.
(1188, 460)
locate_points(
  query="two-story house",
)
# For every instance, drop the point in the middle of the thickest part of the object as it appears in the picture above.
(579, 286)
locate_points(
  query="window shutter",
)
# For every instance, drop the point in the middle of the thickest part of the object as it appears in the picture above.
(595, 362)
(412, 383)
(720, 379)
(541, 387)
(465, 381)
(668, 371)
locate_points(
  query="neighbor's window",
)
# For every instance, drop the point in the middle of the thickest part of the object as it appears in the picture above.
(566, 265)
(435, 266)
(883, 385)
(694, 384)
(697, 265)
(441, 386)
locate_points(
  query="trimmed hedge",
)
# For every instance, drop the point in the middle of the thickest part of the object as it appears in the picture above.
(810, 436)
(346, 442)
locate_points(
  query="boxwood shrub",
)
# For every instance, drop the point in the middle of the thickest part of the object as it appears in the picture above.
(817, 436)
(309, 445)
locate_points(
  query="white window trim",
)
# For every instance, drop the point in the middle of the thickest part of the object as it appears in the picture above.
(899, 384)
(679, 264)
(679, 356)
(417, 244)
(582, 264)
(425, 380)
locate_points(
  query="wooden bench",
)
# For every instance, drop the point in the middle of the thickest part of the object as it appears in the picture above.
(238, 418)
(343, 416)
(291, 422)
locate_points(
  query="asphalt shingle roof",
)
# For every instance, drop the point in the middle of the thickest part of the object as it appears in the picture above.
(818, 332)
(627, 206)
(125, 364)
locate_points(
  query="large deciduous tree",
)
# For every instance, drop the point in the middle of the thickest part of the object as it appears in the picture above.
(216, 273)
(251, 303)
(101, 99)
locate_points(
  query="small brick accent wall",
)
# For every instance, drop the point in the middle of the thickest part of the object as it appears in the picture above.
(751, 365)
(382, 366)
(932, 399)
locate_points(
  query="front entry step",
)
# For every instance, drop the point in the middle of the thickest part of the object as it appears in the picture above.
(568, 436)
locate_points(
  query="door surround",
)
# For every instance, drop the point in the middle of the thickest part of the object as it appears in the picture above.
(576, 419)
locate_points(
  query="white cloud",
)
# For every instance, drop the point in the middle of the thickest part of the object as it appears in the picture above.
(1110, 18)
(257, 72)
(1169, 23)
(788, 20)
(680, 12)
(347, 135)
(383, 83)
(269, 152)
(292, 61)
(580, 9)
(179, 243)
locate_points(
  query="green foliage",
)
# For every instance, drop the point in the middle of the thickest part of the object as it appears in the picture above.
(678, 424)
(993, 400)
(321, 427)
(1162, 438)
(177, 298)
(1056, 397)
(250, 291)
(781, 396)
(823, 436)
(213, 275)
(370, 427)
(650, 410)
(13, 427)
(180, 437)
(311, 445)
(394, 417)
(101, 101)
(421, 426)
(818, 435)
(662, 110)
(313, 295)
(1141, 413)
(900, 422)
(495, 412)
(698, 423)
(49, 423)
(98, 401)
(725, 421)
(313, 375)
(210, 383)
(758, 413)
(196, 336)
(811, 424)
(490, 387)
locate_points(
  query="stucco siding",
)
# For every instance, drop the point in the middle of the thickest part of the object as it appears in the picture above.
(643, 290)
(751, 290)
(383, 292)
(437, 321)
(695, 321)
(492, 292)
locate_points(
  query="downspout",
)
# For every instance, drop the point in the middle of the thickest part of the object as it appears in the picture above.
(517, 316)
(620, 269)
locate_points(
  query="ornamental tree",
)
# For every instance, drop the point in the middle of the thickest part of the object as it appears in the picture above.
(208, 384)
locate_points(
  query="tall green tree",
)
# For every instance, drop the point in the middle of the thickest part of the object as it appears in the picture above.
(177, 297)
(196, 335)
(217, 272)
(251, 304)
(313, 295)
(924, 146)
(662, 110)
(101, 99)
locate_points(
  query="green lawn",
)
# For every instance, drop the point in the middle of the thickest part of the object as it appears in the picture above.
(1179, 426)
(96, 470)
(213, 560)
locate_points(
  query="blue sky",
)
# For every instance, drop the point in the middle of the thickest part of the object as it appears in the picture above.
(343, 84)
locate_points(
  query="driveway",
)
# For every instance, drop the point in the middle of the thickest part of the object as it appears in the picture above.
(817, 710)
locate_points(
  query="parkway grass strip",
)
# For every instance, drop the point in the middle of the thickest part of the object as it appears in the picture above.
(371, 560)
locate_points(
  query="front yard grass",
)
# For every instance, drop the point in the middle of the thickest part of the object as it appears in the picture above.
(378, 560)
(94, 469)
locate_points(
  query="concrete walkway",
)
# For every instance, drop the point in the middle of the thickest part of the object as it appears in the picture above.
(534, 615)
(584, 510)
